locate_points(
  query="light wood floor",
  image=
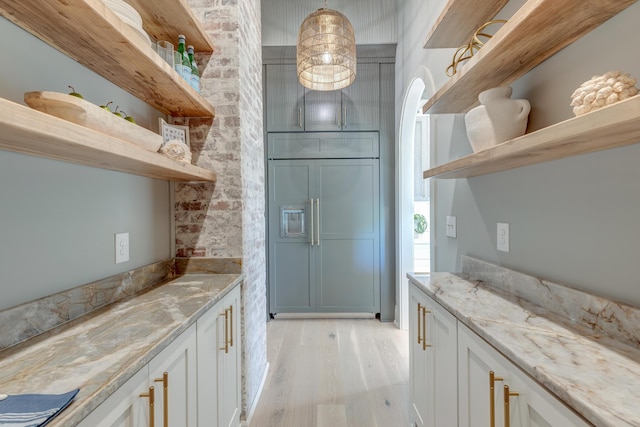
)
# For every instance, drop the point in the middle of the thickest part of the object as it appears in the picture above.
(335, 373)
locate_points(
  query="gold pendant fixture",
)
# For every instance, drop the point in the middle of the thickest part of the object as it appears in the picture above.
(326, 51)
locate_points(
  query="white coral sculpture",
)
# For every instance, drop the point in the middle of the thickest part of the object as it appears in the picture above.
(601, 91)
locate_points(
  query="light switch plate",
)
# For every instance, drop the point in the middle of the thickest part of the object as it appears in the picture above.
(122, 247)
(503, 236)
(452, 229)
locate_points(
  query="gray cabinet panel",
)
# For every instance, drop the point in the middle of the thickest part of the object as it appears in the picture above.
(335, 266)
(325, 145)
(354, 108)
(284, 99)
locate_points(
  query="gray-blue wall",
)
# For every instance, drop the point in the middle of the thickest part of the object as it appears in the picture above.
(58, 220)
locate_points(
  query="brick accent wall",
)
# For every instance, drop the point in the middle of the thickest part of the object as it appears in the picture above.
(227, 219)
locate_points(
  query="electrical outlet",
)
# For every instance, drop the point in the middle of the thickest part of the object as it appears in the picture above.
(122, 247)
(503, 236)
(452, 227)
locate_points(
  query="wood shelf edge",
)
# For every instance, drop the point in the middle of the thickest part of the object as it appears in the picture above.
(507, 56)
(159, 20)
(138, 70)
(31, 132)
(455, 25)
(614, 126)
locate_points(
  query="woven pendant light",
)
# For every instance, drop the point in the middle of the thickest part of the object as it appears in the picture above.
(326, 51)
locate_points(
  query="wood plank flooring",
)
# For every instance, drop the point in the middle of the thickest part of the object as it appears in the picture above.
(335, 373)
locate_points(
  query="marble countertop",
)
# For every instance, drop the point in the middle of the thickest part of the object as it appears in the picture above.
(594, 373)
(100, 351)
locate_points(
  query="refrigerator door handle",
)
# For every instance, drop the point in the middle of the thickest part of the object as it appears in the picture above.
(311, 222)
(318, 219)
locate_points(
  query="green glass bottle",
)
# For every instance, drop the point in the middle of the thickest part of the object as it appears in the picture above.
(195, 74)
(184, 69)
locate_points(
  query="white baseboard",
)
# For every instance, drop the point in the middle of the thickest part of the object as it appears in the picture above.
(324, 316)
(256, 399)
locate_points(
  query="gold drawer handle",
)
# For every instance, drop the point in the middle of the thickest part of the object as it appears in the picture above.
(507, 413)
(165, 396)
(150, 395)
(230, 326)
(492, 398)
(226, 330)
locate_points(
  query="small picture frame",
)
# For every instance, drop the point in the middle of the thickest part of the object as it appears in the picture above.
(171, 132)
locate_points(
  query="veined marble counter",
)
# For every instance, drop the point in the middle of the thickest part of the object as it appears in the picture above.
(595, 373)
(100, 351)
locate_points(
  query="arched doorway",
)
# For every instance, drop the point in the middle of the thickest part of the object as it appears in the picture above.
(405, 186)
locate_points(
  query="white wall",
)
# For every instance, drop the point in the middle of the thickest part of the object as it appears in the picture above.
(572, 220)
(58, 220)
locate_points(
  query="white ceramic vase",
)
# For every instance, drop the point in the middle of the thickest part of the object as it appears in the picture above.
(498, 119)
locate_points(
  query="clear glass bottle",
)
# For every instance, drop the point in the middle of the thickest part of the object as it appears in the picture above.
(195, 74)
(185, 67)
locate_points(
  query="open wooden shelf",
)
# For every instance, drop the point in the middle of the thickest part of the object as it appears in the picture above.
(90, 33)
(614, 126)
(31, 132)
(164, 20)
(536, 31)
(459, 20)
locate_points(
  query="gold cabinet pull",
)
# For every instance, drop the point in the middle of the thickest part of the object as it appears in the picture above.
(165, 397)
(424, 328)
(492, 398)
(151, 397)
(226, 331)
(231, 326)
(419, 328)
(507, 413)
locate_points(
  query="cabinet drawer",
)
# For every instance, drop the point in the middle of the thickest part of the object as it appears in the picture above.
(318, 145)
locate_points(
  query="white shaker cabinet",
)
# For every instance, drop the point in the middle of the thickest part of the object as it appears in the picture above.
(129, 406)
(518, 401)
(142, 400)
(173, 373)
(219, 363)
(433, 335)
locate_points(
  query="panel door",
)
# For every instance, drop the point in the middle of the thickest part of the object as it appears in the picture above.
(323, 110)
(361, 100)
(178, 361)
(418, 380)
(442, 368)
(348, 256)
(284, 99)
(476, 360)
(534, 406)
(126, 407)
(208, 348)
(229, 361)
(290, 268)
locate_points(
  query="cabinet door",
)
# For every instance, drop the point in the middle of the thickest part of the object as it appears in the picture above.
(229, 361)
(478, 402)
(441, 336)
(534, 406)
(208, 349)
(418, 380)
(284, 99)
(290, 267)
(176, 403)
(126, 407)
(361, 100)
(323, 110)
(348, 256)
(219, 363)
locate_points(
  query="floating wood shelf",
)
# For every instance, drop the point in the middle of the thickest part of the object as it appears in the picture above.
(459, 20)
(90, 33)
(614, 126)
(164, 20)
(536, 31)
(31, 132)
